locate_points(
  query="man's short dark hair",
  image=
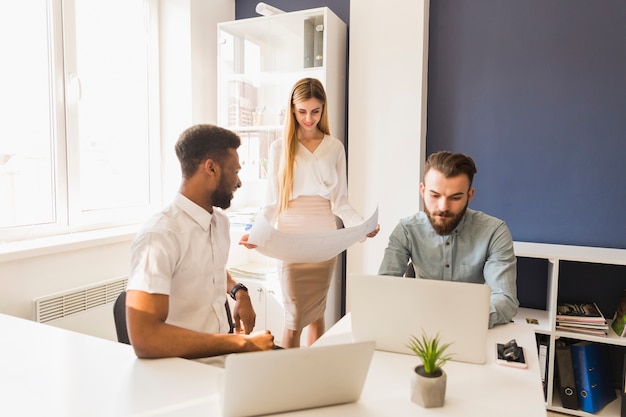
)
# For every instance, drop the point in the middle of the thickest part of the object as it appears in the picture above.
(201, 142)
(451, 164)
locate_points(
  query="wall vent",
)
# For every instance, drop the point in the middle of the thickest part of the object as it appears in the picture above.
(77, 300)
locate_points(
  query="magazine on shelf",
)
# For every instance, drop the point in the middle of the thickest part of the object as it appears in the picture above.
(579, 312)
(582, 330)
(583, 325)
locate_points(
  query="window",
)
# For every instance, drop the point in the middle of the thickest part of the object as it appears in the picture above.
(79, 142)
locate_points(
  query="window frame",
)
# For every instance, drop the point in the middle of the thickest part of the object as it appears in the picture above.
(65, 157)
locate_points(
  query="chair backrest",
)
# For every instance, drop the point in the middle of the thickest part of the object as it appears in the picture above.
(119, 316)
(410, 270)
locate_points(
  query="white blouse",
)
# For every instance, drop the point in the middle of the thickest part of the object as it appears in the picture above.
(322, 172)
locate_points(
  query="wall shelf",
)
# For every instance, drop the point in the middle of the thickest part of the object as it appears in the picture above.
(562, 282)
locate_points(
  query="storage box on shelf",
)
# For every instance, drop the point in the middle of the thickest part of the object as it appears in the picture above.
(572, 274)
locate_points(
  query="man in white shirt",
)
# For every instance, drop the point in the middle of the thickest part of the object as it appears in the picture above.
(175, 305)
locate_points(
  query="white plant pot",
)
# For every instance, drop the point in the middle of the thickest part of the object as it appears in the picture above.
(429, 392)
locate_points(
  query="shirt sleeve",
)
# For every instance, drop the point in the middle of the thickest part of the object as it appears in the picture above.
(500, 272)
(340, 205)
(397, 253)
(152, 264)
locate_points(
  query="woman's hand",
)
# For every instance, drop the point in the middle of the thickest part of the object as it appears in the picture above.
(244, 242)
(374, 232)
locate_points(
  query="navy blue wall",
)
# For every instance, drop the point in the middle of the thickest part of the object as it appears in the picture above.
(246, 8)
(535, 91)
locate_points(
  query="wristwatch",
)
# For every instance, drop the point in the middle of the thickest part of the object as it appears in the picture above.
(238, 286)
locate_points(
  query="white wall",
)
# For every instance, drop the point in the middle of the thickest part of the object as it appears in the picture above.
(188, 67)
(188, 64)
(386, 116)
(26, 276)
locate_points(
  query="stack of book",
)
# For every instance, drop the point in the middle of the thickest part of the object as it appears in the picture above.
(583, 318)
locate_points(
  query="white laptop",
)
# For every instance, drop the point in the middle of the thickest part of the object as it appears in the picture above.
(389, 310)
(258, 383)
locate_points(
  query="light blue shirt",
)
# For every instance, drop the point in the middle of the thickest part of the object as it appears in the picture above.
(479, 250)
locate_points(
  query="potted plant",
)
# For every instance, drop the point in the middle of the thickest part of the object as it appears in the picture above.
(428, 382)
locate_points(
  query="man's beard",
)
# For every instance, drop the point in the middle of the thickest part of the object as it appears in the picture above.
(222, 195)
(450, 223)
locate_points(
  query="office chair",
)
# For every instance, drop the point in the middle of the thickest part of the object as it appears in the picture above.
(410, 270)
(119, 316)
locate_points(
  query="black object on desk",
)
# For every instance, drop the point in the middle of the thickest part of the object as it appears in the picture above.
(510, 354)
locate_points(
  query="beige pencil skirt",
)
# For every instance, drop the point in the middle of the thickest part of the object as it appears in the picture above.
(305, 285)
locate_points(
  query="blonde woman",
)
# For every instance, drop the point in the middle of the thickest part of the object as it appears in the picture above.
(308, 185)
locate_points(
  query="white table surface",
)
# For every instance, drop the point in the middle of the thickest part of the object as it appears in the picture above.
(472, 390)
(488, 390)
(47, 371)
(54, 372)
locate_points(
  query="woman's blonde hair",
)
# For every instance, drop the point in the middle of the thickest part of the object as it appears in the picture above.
(305, 89)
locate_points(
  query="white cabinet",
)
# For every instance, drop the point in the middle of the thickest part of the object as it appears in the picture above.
(267, 302)
(589, 274)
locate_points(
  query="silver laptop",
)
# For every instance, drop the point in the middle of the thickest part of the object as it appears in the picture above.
(389, 310)
(258, 383)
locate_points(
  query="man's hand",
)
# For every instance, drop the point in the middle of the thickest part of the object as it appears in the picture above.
(261, 340)
(243, 313)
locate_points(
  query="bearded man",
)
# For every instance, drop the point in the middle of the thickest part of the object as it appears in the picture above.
(449, 241)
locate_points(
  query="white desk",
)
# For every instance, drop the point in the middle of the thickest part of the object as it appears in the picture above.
(488, 390)
(54, 372)
(472, 390)
(47, 371)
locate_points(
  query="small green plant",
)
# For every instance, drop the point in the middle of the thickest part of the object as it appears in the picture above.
(431, 351)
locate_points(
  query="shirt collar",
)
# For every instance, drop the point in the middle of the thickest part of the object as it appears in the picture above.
(197, 213)
(459, 227)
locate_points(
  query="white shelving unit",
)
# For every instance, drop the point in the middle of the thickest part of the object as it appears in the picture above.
(556, 255)
(259, 60)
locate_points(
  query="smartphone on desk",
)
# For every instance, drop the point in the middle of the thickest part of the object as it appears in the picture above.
(509, 354)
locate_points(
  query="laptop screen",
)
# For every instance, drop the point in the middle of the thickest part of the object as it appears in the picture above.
(293, 379)
(389, 310)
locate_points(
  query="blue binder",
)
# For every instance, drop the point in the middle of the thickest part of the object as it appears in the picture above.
(592, 375)
(623, 411)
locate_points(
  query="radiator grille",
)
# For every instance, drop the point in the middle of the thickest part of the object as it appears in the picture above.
(63, 304)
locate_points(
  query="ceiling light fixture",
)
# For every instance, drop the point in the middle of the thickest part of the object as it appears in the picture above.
(265, 9)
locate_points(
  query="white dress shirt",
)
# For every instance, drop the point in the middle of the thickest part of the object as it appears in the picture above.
(182, 252)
